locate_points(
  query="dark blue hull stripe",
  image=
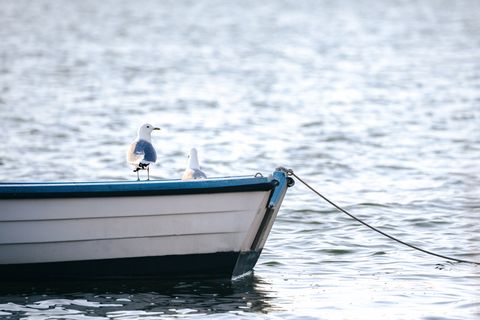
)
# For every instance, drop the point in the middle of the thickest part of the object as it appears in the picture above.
(211, 265)
(132, 188)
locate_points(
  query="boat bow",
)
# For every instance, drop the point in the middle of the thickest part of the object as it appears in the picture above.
(213, 227)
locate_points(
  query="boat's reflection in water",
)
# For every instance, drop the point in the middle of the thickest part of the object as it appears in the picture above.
(137, 299)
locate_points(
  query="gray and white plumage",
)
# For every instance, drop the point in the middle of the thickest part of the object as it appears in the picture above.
(141, 152)
(193, 171)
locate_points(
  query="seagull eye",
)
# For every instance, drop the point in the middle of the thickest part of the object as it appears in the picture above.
(148, 126)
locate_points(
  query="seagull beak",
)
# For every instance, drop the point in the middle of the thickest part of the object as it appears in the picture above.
(156, 128)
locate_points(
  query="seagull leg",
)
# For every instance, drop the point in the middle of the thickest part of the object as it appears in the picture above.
(148, 173)
(138, 175)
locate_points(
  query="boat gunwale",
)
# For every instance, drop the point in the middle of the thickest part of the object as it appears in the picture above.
(48, 190)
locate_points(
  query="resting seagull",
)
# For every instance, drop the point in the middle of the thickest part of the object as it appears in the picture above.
(193, 169)
(141, 152)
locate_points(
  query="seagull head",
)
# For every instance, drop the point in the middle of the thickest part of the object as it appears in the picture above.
(193, 159)
(145, 131)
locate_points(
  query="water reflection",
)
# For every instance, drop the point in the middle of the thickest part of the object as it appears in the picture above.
(375, 105)
(135, 299)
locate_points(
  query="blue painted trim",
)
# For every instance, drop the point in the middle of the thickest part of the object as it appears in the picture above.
(132, 188)
(279, 178)
(281, 185)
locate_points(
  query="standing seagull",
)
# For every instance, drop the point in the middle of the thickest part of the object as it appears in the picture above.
(193, 169)
(141, 152)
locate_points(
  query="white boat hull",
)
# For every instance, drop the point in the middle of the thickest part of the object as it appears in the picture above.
(48, 236)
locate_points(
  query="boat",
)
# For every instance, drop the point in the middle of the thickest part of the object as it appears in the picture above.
(213, 228)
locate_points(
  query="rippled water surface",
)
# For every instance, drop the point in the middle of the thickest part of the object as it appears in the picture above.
(375, 103)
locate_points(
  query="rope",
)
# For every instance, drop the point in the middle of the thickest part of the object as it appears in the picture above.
(291, 173)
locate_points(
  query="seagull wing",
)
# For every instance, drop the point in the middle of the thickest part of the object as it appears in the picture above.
(141, 151)
(199, 174)
(149, 154)
(192, 174)
(135, 154)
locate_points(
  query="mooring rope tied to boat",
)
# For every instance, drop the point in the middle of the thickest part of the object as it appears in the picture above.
(290, 172)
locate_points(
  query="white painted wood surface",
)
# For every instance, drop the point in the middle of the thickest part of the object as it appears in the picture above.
(69, 229)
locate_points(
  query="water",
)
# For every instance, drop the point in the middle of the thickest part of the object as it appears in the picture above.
(375, 104)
